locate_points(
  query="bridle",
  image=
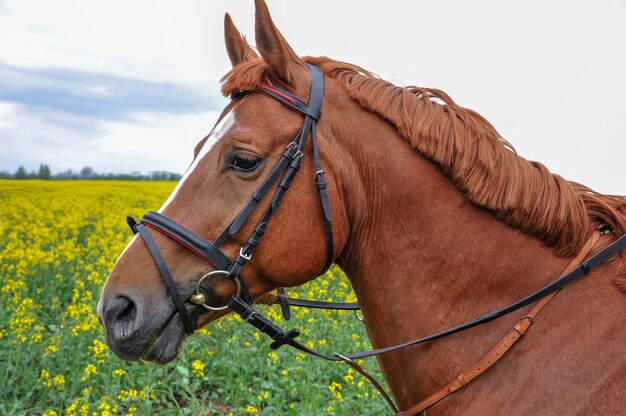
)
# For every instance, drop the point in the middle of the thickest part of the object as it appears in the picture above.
(241, 303)
(287, 166)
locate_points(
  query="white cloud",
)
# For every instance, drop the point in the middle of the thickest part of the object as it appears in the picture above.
(156, 141)
(144, 39)
(7, 116)
(151, 141)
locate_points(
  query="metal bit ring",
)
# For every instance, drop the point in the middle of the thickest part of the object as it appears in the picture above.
(198, 298)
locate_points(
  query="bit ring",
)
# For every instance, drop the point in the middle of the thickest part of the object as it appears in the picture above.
(210, 274)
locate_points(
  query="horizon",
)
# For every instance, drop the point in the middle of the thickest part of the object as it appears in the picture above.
(78, 171)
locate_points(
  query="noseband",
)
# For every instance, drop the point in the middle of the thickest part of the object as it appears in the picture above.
(287, 168)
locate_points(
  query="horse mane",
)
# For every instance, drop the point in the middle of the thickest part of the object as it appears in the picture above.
(468, 149)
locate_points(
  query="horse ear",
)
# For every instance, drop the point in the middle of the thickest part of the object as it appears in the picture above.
(238, 49)
(274, 49)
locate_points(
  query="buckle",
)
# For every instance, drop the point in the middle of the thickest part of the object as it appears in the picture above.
(243, 255)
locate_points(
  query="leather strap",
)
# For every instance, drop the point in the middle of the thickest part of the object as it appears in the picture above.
(371, 379)
(322, 193)
(258, 195)
(167, 277)
(503, 346)
(317, 304)
(281, 299)
(292, 101)
(584, 268)
(188, 238)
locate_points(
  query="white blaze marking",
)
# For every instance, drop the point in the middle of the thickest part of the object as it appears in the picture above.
(216, 135)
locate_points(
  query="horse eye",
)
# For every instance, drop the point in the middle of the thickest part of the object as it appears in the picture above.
(244, 162)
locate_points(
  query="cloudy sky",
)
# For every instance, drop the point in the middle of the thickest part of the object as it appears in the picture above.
(124, 86)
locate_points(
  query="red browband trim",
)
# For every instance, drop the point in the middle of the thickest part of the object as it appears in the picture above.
(277, 92)
(175, 239)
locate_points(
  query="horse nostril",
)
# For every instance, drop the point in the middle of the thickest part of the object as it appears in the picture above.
(121, 317)
(127, 312)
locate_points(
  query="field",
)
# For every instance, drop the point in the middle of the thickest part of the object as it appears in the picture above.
(58, 241)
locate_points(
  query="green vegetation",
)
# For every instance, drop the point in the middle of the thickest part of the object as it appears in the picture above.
(88, 172)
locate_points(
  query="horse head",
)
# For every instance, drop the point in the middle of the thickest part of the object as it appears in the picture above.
(251, 138)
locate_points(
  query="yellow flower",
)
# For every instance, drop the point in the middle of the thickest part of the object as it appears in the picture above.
(89, 371)
(128, 394)
(272, 357)
(334, 388)
(251, 409)
(107, 406)
(98, 350)
(197, 367)
(57, 382)
(83, 410)
(50, 349)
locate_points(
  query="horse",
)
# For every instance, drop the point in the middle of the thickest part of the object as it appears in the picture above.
(435, 220)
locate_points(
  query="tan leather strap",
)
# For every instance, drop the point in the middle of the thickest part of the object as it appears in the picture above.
(518, 330)
(371, 379)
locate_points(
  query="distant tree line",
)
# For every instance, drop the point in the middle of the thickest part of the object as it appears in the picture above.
(89, 173)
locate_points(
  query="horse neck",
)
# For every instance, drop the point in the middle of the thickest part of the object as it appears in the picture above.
(422, 258)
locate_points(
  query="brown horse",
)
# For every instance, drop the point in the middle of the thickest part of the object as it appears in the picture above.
(435, 220)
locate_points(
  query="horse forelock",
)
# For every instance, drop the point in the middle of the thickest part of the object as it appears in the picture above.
(470, 151)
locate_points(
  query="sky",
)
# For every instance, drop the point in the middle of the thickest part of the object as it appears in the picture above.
(133, 86)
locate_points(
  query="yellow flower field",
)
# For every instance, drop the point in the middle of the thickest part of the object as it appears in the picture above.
(58, 241)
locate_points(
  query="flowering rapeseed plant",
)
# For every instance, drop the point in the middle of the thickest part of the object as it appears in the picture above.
(59, 240)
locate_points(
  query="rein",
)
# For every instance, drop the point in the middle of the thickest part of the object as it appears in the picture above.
(287, 167)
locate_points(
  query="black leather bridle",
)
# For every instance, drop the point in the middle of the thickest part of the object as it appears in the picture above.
(287, 167)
